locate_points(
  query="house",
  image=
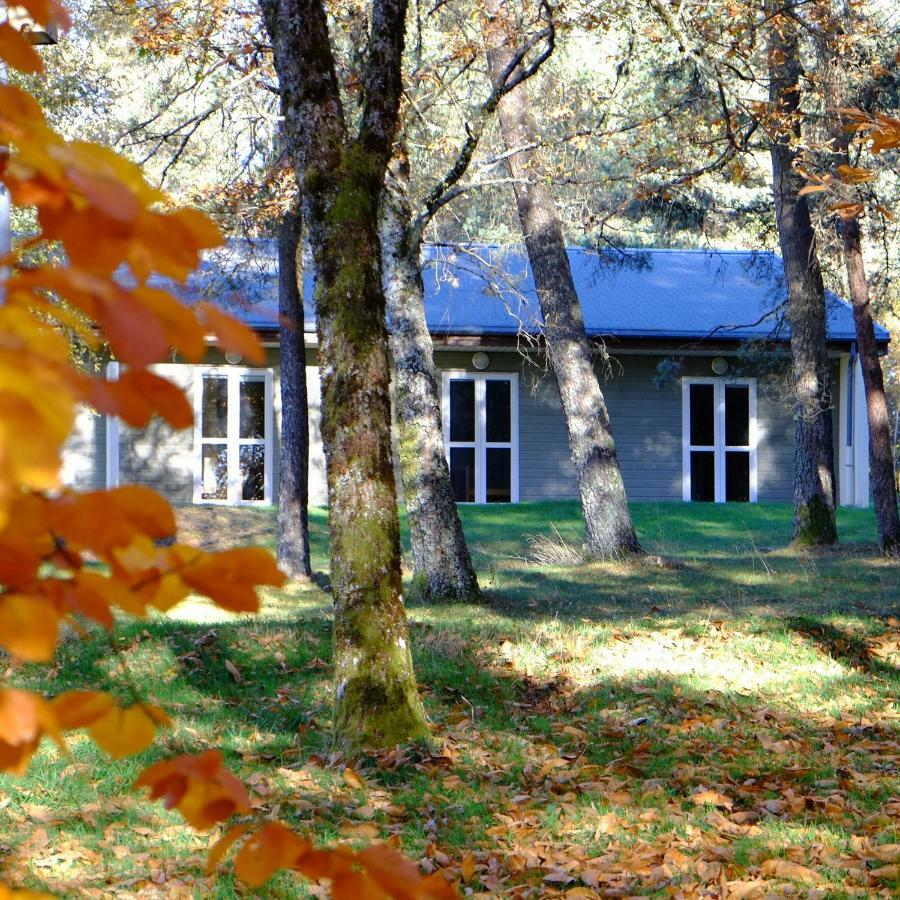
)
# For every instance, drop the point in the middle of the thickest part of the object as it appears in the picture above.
(697, 414)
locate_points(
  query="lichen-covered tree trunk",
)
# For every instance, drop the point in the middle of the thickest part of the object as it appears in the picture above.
(292, 547)
(814, 515)
(881, 461)
(441, 561)
(607, 519)
(340, 178)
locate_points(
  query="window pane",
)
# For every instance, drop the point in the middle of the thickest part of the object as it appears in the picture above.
(214, 485)
(703, 410)
(215, 406)
(462, 410)
(253, 472)
(253, 409)
(498, 474)
(737, 476)
(703, 476)
(462, 473)
(737, 416)
(497, 400)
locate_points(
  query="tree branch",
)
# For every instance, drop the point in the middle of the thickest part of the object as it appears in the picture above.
(513, 75)
(383, 77)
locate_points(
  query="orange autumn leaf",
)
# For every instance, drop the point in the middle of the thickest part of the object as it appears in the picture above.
(47, 12)
(350, 885)
(230, 578)
(93, 595)
(8, 893)
(174, 241)
(376, 871)
(29, 627)
(20, 560)
(78, 709)
(124, 732)
(137, 395)
(271, 848)
(101, 520)
(16, 49)
(144, 510)
(24, 718)
(855, 174)
(183, 331)
(223, 845)
(198, 786)
(399, 877)
(232, 335)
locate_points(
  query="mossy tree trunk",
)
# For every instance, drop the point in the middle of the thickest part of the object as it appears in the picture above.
(814, 488)
(607, 518)
(340, 178)
(442, 565)
(292, 547)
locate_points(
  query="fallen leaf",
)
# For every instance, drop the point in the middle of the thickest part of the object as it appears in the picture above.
(784, 868)
(354, 779)
(711, 798)
(887, 853)
(886, 873)
(234, 671)
(367, 830)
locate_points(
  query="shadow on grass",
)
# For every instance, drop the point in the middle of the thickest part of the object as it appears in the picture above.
(843, 645)
(649, 749)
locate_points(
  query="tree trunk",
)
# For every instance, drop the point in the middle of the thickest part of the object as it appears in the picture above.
(610, 531)
(839, 94)
(292, 548)
(814, 518)
(881, 462)
(442, 565)
(341, 179)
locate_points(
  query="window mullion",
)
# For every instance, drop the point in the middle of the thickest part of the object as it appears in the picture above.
(234, 412)
(480, 449)
(719, 433)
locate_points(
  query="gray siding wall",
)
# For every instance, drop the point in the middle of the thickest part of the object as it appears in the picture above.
(165, 459)
(646, 422)
(84, 453)
(159, 456)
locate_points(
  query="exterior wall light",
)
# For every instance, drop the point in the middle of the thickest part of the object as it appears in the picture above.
(480, 360)
(233, 358)
(720, 365)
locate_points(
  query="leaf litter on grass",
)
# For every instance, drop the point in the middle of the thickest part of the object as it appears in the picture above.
(573, 760)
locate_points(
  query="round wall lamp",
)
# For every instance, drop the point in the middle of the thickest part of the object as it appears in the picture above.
(480, 360)
(720, 365)
(233, 358)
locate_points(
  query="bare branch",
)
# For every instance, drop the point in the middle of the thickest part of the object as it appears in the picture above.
(513, 75)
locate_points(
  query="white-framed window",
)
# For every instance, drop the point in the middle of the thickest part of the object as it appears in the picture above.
(480, 414)
(719, 436)
(233, 435)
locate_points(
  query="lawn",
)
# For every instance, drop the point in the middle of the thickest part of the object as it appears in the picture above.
(718, 720)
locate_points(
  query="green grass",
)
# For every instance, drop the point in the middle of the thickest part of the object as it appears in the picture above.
(577, 711)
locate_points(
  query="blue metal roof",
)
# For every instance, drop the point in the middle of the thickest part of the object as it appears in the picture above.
(484, 290)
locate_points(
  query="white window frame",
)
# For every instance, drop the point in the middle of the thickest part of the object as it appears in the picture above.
(480, 444)
(234, 375)
(719, 447)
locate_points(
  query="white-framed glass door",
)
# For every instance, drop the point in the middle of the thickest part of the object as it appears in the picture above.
(480, 414)
(719, 438)
(233, 435)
